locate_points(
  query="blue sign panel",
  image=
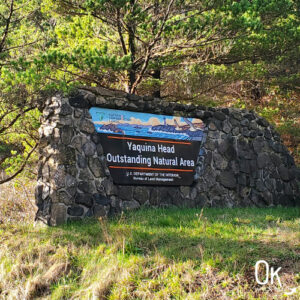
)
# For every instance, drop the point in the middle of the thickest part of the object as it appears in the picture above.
(148, 125)
(149, 149)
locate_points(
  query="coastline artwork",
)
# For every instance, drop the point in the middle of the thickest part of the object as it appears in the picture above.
(123, 122)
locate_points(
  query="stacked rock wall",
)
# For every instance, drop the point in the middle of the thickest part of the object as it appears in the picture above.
(245, 162)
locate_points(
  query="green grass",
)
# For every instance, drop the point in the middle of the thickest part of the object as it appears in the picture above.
(153, 254)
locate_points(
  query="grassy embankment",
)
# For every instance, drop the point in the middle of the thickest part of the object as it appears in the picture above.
(153, 254)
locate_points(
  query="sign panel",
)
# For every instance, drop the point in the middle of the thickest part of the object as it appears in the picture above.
(148, 149)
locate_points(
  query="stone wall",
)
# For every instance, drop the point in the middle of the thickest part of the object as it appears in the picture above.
(245, 163)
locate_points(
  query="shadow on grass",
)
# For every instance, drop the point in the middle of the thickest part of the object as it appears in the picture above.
(229, 239)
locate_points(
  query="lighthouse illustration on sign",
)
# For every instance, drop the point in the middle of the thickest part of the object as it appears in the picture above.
(146, 125)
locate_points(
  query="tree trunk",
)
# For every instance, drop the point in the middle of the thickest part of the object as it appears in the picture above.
(132, 49)
(156, 74)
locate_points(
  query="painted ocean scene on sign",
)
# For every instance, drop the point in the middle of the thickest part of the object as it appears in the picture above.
(146, 125)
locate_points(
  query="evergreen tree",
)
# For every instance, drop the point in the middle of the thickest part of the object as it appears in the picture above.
(173, 48)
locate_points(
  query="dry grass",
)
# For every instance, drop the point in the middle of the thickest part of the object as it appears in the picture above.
(17, 203)
(153, 254)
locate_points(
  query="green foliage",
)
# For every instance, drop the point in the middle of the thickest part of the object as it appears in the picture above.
(103, 42)
(23, 135)
(198, 47)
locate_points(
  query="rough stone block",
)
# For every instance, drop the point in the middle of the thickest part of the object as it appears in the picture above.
(75, 211)
(66, 155)
(141, 194)
(101, 200)
(245, 122)
(185, 190)
(220, 116)
(81, 161)
(85, 186)
(109, 187)
(84, 199)
(59, 178)
(219, 161)
(96, 167)
(235, 131)
(77, 113)
(263, 160)
(129, 205)
(89, 148)
(64, 197)
(227, 179)
(79, 101)
(58, 214)
(70, 181)
(284, 173)
(125, 192)
(237, 115)
(212, 126)
(227, 149)
(86, 126)
(249, 116)
(99, 211)
(262, 122)
(226, 126)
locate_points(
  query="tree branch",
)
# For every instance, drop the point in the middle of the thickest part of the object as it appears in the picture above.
(21, 168)
(120, 32)
(149, 49)
(8, 21)
(20, 46)
(93, 13)
(15, 119)
(7, 113)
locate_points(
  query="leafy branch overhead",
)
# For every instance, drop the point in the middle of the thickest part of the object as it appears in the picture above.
(179, 49)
